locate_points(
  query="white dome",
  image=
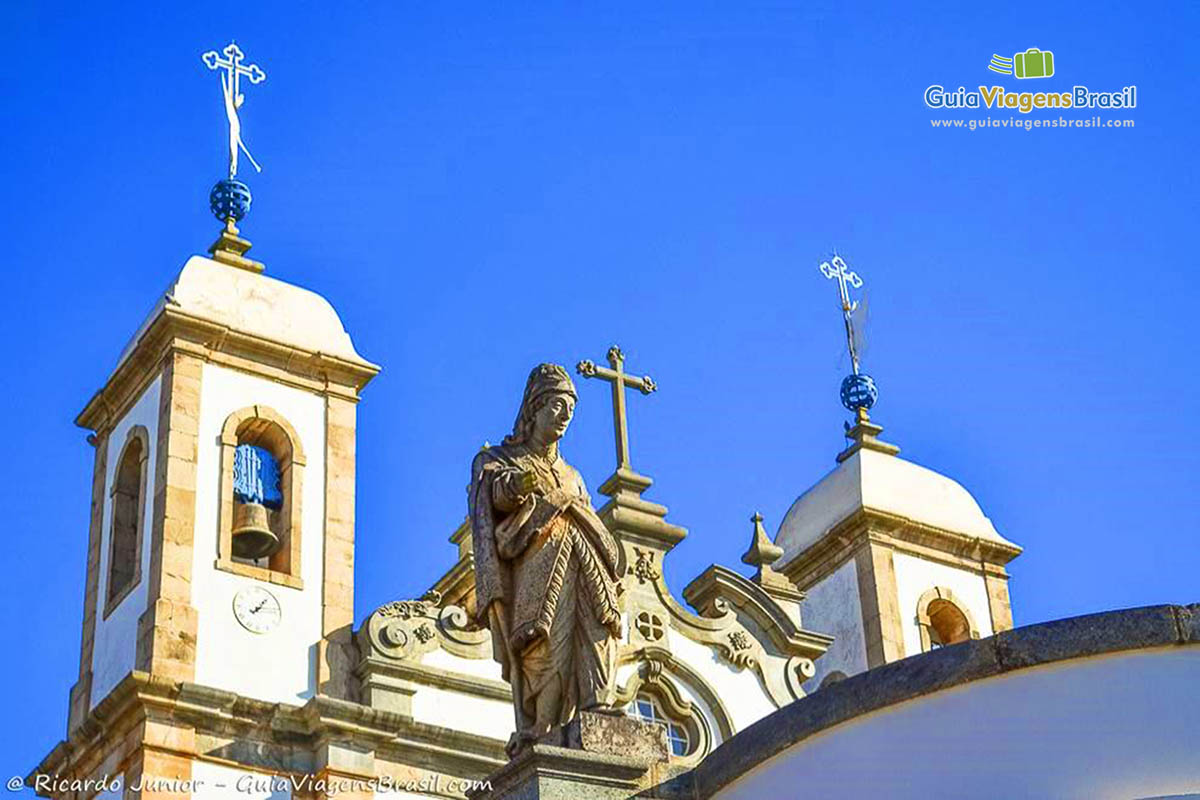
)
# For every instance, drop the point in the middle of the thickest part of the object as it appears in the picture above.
(256, 304)
(887, 483)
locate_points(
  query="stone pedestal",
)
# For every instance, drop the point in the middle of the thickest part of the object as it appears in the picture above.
(594, 757)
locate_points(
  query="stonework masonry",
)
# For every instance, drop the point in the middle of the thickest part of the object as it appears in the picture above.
(337, 657)
(167, 630)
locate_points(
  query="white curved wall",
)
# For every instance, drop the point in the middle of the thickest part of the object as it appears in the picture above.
(1118, 726)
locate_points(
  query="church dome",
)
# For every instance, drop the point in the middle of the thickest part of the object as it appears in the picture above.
(886, 483)
(253, 303)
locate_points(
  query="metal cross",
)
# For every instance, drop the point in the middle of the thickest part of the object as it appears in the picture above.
(231, 88)
(232, 64)
(838, 270)
(619, 380)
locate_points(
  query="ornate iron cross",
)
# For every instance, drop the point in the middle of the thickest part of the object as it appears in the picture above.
(232, 64)
(231, 87)
(838, 270)
(619, 380)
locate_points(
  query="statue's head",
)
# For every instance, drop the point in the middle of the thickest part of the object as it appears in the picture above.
(547, 407)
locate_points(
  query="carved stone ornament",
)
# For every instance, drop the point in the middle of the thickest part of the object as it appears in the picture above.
(643, 568)
(407, 609)
(405, 630)
(738, 649)
(649, 625)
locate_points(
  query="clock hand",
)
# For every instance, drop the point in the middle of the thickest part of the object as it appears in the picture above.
(258, 607)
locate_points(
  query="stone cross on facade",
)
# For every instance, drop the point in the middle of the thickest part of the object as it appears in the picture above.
(619, 380)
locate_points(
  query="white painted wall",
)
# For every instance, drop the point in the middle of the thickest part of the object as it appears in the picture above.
(279, 666)
(463, 712)
(1107, 728)
(740, 691)
(915, 576)
(833, 606)
(115, 644)
(450, 709)
(476, 667)
(218, 782)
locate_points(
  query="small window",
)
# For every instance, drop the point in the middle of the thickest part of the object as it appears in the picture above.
(647, 709)
(128, 501)
(947, 624)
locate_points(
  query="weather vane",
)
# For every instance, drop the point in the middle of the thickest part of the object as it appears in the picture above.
(230, 198)
(858, 390)
(234, 69)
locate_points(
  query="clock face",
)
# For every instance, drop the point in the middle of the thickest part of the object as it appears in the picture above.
(256, 609)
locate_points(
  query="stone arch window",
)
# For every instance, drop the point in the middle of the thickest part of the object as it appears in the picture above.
(681, 736)
(943, 619)
(256, 438)
(127, 498)
(654, 694)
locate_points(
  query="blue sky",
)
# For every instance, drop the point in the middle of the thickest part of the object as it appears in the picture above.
(479, 187)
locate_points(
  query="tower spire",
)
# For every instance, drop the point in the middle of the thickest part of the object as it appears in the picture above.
(858, 391)
(230, 198)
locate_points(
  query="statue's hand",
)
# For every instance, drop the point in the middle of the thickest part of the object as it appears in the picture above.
(526, 482)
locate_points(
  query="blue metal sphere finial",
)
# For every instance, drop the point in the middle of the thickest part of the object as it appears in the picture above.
(859, 391)
(230, 199)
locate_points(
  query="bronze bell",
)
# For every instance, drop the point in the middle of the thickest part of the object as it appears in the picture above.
(252, 534)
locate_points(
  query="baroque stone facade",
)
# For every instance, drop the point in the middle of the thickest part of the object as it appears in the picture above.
(175, 687)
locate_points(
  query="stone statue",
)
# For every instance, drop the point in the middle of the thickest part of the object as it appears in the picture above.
(546, 568)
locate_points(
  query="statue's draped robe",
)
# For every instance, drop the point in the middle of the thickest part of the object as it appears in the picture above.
(553, 566)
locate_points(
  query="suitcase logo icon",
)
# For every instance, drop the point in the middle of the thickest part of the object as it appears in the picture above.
(1033, 63)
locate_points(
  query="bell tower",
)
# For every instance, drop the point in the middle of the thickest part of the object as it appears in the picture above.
(222, 524)
(221, 543)
(220, 555)
(895, 559)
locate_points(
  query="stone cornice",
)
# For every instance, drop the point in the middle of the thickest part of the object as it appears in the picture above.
(216, 712)
(436, 677)
(173, 329)
(902, 534)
